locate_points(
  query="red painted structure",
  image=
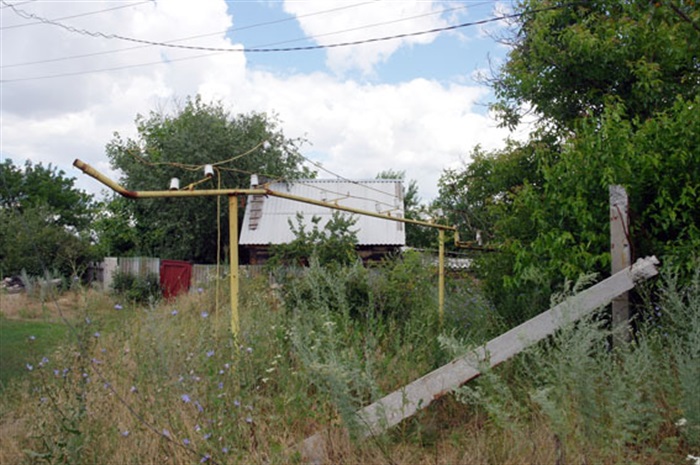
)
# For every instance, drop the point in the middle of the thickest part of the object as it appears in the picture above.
(175, 277)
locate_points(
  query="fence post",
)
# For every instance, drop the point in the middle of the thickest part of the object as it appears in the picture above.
(621, 258)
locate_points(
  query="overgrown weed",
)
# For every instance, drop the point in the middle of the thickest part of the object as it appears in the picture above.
(168, 382)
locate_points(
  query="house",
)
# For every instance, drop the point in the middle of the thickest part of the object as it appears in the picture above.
(267, 217)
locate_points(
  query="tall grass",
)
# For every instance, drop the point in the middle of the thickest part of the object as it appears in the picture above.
(167, 382)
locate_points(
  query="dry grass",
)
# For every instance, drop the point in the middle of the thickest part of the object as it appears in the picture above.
(146, 354)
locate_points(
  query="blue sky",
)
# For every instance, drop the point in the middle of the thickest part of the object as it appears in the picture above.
(410, 104)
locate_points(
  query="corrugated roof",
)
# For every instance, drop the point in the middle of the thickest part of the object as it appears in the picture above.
(266, 217)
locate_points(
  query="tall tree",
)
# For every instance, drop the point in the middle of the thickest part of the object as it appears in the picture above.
(615, 86)
(178, 146)
(44, 221)
(569, 59)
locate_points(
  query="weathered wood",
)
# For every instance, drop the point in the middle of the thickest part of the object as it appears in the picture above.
(621, 258)
(403, 403)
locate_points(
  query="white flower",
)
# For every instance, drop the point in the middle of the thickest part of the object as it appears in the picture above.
(681, 422)
(694, 459)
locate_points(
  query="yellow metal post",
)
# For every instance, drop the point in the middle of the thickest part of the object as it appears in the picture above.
(233, 260)
(441, 274)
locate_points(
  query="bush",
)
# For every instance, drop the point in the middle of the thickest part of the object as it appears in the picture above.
(137, 289)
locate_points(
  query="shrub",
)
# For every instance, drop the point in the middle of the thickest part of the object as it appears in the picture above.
(137, 289)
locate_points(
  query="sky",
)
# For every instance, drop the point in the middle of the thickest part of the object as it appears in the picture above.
(416, 103)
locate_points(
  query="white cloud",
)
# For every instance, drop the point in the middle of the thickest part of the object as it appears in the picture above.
(355, 128)
(378, 19)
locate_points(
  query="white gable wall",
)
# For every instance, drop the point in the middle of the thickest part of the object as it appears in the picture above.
(378, 196)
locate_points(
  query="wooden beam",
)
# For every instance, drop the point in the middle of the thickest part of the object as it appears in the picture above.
(403, 403)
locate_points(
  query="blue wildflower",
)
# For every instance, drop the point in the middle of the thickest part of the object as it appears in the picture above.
(204, 314)
(173, 313)
(118, 307)
(30, 367)
(210, 353)
(185, 398)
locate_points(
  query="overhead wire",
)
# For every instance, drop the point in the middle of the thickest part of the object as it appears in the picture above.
(242, 49)
(199, 36)
(260, 49)
(80, 15)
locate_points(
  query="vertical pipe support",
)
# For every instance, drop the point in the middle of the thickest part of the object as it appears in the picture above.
(233, 261)
(441, 275)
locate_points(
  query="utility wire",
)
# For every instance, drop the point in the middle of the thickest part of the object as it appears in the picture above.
(284, 49)
(199, 36)
(90, 13)
(173, 42)
(16, 4)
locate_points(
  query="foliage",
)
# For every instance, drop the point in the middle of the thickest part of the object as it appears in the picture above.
(617, 104)
(140, 384)
(416, 236)
(43, 221)
(136, 288)
(596, 401)
(567, 61)
(179, 145)
(38, 186)
(333, 245)
(114, 227)
(30, 241)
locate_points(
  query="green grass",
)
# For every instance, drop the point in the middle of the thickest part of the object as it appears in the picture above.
(168, 382)
(26, 342)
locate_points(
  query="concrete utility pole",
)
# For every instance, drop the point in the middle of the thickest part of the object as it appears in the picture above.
(406, 401)
(621, 258)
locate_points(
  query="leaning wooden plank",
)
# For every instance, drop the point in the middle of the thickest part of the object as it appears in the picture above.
(403, 403)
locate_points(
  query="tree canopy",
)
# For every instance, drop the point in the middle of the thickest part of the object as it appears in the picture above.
(44, 221)
(615, 88)
(569, 61)
(178, 146)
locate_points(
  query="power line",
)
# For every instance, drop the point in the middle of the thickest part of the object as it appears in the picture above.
(263, 50)
(16, 26)
(199, 36)
(267, 50)
(17, 4)
(173, 44)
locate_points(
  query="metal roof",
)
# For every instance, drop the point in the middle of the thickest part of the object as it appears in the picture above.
(266, 219)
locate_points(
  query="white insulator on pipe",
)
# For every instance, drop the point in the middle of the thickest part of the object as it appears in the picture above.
(174, 184)
(208, 171)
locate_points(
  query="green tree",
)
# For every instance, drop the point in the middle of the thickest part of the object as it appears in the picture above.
(178, 146)
(615, 86)
(43, 221)
(48, 187)
(416, 236)
(334, 244)
(567, 60)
